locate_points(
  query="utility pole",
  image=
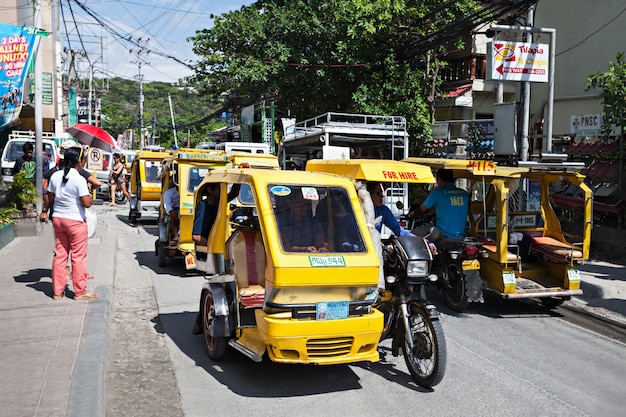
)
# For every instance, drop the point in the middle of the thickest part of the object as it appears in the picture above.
(138, 52)
(169, 97)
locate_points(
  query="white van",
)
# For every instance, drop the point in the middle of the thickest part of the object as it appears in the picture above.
(13, 150)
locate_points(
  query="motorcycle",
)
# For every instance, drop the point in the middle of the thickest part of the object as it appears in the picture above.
(411, 321)
(456, 264)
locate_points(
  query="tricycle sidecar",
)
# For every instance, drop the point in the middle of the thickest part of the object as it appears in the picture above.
(184, 169)
(278, 283)
(145, 184)
(530, 253)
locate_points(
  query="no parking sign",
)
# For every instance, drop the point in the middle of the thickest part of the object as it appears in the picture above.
(95, 159)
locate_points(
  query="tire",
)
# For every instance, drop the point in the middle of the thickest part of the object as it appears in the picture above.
(552, 302)
(162, 250)
(454, 290)
(427, 361)
(120, 198)
(215, 346)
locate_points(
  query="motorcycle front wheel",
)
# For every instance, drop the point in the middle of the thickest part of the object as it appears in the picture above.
(427, 360)
(454, 289)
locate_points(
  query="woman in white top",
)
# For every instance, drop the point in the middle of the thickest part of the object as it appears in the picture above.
(69, 193)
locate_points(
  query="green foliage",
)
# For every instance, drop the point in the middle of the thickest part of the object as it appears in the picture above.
(333, 55)
(613, 84)
(6, 215)
(21, 192)
(192, 111)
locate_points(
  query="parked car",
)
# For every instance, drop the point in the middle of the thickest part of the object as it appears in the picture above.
(13, 150)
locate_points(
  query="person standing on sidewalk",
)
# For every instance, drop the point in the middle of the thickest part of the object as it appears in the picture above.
(69, 193)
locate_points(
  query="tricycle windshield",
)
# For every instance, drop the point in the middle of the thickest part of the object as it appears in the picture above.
(315, 219)
(152, 170)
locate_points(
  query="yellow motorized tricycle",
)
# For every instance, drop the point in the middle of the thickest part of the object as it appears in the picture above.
(529, 252)
(145, 184)
(292, 273)
(275, 283)
(183, 170)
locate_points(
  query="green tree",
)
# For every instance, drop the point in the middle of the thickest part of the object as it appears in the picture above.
(194, 112)
(362, 56)
(613, 85)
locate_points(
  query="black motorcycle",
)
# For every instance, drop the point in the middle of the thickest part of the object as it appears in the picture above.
(410, 320)
(456, 264)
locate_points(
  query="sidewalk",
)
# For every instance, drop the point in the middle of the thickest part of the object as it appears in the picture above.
(54, 354)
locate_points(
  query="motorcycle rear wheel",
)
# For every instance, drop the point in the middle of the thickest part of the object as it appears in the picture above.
(454, 289)
(427, 360)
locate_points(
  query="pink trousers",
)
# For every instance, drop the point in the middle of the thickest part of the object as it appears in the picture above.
(70, 236)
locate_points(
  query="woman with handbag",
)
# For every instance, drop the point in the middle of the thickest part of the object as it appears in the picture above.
(117, 178)
(69, 193)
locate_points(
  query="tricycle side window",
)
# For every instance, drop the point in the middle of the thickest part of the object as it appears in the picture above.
(315, 219)
(196, 175)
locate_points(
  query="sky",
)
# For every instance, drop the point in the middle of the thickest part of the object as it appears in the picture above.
(111, 32)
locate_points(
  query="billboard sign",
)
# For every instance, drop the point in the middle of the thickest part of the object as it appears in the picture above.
(517, 61)
(16, 54)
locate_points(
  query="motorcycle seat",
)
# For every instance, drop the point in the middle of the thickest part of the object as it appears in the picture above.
(448, 243)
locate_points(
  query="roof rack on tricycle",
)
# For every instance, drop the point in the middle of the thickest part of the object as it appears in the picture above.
(530, 253)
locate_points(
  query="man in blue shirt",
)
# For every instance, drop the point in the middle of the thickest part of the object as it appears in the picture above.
(450, 204)
(376, 193)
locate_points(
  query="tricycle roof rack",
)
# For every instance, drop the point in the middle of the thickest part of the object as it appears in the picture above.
(347, 130)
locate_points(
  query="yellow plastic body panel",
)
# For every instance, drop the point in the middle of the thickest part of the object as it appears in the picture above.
(301, 268)
(321, 342)
(373, 170)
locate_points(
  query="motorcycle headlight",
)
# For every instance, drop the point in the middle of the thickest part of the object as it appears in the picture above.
(416, 269)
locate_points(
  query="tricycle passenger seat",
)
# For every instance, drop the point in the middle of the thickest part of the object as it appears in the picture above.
(247, 253)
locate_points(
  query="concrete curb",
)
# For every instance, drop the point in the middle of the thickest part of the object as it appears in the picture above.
(87, 395)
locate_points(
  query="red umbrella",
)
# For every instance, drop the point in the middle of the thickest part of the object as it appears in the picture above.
(93, 136)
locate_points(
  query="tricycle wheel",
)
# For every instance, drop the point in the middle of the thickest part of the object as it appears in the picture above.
(162, 250)
(427, 360)
(215, 346)
(454, 289)
(552, 302)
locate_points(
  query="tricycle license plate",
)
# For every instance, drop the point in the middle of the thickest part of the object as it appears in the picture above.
(190, 261)
(331, 310)
(471, 264)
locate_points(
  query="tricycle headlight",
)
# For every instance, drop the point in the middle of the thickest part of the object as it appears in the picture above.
(417, 269)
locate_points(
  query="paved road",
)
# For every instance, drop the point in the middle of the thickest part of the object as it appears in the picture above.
(505, 358)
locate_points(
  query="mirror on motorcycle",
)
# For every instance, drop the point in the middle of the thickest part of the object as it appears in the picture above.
(399, 205)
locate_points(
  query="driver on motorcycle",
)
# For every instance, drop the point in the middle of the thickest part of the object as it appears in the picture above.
(388, 219)
(450, 204)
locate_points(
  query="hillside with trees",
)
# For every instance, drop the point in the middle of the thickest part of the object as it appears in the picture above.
(194, 113)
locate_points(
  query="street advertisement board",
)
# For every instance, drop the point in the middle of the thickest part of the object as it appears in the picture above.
(517, 61)
(16, 55)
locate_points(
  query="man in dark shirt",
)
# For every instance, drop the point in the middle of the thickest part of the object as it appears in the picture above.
(26, 162)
